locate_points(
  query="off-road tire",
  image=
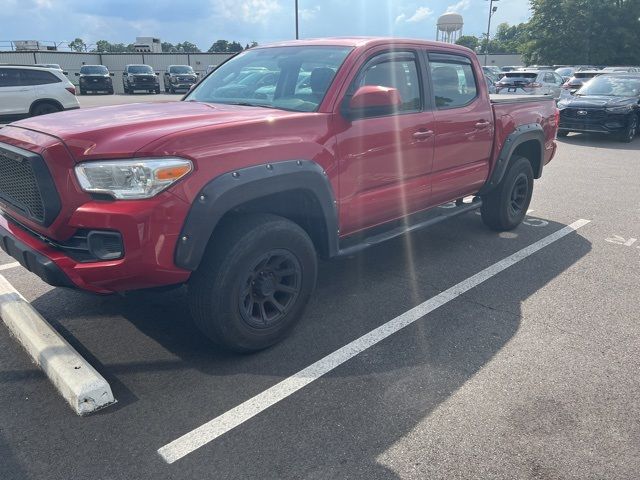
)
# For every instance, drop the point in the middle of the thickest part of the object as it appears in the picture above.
(505, 207)
(231, 267)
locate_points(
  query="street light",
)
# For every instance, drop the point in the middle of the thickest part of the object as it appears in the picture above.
(492, 10)
(297, 34)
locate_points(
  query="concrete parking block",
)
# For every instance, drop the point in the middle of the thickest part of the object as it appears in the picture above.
(76, 380)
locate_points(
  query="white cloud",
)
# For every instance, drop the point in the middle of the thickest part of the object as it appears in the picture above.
(249, 11)
(309, 13)
(458, 7)
(422, 13)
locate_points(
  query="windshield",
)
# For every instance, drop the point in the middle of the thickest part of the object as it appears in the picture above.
(612, 86)
(242, 80)
(140, 69)
(93, 70)
(564, 72)
(181, 69)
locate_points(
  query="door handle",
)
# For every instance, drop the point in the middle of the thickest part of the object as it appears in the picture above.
(482, 124)
(423, 135)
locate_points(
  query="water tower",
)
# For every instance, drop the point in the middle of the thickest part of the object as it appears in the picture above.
(449, 27)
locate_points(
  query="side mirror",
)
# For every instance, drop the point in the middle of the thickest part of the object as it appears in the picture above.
(112, 74)
(65, 73)
(77, 74)
(157, 73)
(372, 100)
(124, 74)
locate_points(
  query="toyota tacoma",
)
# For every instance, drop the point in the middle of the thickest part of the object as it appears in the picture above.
(237, 197)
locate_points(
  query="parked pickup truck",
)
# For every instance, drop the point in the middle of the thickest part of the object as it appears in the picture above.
(237, 197)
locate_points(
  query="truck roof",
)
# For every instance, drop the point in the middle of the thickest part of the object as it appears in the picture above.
(361, 42)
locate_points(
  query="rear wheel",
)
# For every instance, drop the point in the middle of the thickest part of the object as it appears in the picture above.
(254, 282)
(630, 132)
(44, 108)
(505, 207)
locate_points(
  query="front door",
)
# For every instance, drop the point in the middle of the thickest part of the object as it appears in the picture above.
(386, 158)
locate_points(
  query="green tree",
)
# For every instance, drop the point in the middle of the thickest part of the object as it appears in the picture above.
(468, 41)
(168, 47)
(583, 31)
(78, 45)
(187, 47)
(234, 47)
(219, 46)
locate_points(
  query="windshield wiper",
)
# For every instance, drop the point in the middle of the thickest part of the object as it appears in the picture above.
(249, 104)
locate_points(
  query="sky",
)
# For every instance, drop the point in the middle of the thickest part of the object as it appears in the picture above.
(204, 21)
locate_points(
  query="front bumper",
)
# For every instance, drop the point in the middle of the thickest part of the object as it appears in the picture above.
(608, 124)
(33, 260)
(149, 232)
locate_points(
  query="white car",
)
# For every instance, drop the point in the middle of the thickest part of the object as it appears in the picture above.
(29, 90)
(531, 82)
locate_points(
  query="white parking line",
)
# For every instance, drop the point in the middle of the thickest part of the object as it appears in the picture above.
(220, 425)
(7, 266)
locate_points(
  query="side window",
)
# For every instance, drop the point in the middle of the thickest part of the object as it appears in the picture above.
(38, 77)
(9, 77)
(549, 78)
(559, 80)
(454, 84)
(397, 70)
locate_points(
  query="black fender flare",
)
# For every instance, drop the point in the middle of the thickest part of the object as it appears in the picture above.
(523, 133)
(232, 189)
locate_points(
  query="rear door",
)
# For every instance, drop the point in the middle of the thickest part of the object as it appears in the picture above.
(15, 96)
(386, 157)
(464, 127)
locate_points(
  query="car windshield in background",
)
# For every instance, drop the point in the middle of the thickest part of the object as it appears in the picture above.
(612, 86)
(274, 77)
(181, 70)
(140, 69)
(93, 70)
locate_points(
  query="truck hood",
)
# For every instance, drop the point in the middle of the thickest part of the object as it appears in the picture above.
(121, 130)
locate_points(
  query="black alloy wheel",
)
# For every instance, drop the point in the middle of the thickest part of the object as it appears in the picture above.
(270, 289)
(519, 195)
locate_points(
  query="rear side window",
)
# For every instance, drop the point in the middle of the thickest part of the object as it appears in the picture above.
(9, 77)
(549, 78)
(37, 77)
(453, 80)
(397, 70)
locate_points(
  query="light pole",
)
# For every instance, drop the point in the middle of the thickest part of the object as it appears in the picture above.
(297, 32)
(492, 10)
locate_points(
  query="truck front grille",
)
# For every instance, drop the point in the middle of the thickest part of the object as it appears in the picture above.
(23, 179)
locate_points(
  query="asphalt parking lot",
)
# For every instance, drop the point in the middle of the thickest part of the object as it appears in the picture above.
(531, 374)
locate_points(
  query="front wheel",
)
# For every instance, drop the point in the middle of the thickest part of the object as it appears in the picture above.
(630, 132)
(505, 206)
(254, 281)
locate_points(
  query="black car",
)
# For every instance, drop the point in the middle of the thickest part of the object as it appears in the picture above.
(140, 77)
(179, 77)
(607, 104)
(94, 78)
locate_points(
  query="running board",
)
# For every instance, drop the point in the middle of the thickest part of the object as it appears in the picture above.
(404, 229)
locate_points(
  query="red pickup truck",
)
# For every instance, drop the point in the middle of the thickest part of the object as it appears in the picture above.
(282, 154)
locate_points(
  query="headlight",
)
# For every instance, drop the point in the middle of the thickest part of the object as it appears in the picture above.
(173, 79)
(620, 110)
(562, 105)
(132, 178)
